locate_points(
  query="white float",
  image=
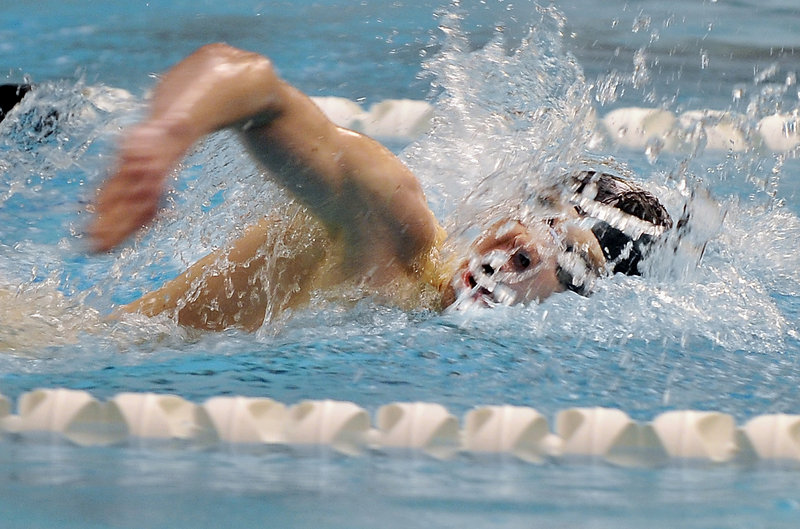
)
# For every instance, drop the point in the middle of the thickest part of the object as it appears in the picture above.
(342, 425)
(722, 130)
(780, 132)
(698, 435)
(108, 99)
(157, 416)
(73, 414)
(774, 436)
(388, 120)
(340, 110)
(609, 434)
(5, 406)
(404, 119)
(247, 420)
(418, 425)
(636, 127)
(520, 431)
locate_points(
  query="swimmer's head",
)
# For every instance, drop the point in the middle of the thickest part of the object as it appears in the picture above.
(515, 262)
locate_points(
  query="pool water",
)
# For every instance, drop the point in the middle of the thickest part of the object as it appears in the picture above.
(712, 326)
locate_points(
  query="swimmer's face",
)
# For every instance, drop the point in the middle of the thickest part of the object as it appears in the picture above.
(510, 264)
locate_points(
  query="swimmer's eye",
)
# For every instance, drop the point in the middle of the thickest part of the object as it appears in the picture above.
(521, 260)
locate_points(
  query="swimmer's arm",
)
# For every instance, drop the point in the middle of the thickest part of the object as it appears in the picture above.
(355, 186)
(232, 287)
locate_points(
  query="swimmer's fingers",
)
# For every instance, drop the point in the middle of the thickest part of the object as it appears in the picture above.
(129, 199)
(127, 202)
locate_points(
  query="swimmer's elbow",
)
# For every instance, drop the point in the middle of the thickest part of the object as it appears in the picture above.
(223, 53)
(239, 85)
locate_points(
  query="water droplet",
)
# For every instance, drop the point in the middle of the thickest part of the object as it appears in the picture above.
(703, 59)
(642, 23)
(653, 149)
(767, 74)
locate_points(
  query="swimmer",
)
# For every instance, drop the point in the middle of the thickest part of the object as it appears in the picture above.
(373, 228)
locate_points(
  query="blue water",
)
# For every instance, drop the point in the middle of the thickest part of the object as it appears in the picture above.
(717, 333)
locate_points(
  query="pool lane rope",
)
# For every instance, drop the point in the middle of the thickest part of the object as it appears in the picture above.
(649, 128)
(522, 432)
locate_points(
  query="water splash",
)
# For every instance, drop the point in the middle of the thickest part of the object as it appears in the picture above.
(513, 117)
(506, 119)
(511, 122)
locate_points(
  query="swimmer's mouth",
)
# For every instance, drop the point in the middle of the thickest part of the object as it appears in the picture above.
(470, 293)
(479, 293)
(478, 285)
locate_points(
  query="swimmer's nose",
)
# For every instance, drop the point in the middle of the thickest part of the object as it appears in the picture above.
(492, 262)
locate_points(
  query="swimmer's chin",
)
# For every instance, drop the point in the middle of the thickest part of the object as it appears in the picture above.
(462, 299)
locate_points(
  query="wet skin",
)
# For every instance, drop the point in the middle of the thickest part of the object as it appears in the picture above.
(513, 263)
(370, 205)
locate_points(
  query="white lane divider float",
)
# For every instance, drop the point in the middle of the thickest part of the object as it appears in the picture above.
(247, 419)
(342, 425)
(405, 120)
(387, 120)
(155, 416)
(602, 434)
(520, 431)
(774, 436)
(611, 435)
(633, 127)
(5, 407)
(699, 435)
(417, 425)
(75, 415)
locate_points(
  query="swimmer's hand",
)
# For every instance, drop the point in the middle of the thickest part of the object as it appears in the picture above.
(129, 199)
(214, 88)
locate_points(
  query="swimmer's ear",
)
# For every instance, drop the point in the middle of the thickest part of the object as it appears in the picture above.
(581, 260)
(584, 242)
(10, 95)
